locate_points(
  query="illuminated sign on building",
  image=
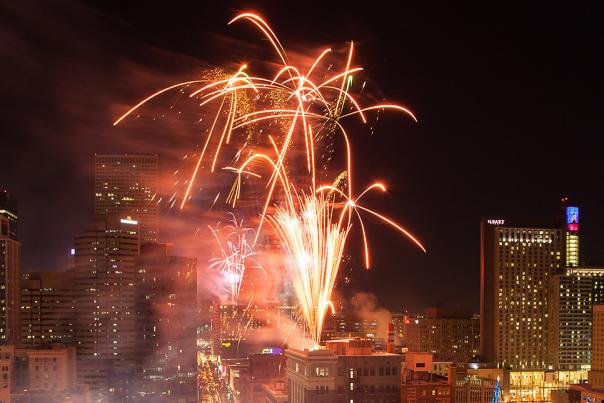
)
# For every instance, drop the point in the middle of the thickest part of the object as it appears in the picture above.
(496, 222)
(128, 221)
(572, 218)
(272, 350)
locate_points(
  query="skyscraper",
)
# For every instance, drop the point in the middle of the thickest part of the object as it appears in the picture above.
(166, 302)
(104, 283)
(596, 375)
(48, 308)
(572, 296)
(10, 257)
(516, 266)
(127, 186)
(8, 209)
(593, 390)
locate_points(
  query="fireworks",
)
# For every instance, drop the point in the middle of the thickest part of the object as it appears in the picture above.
(236, 255)
(299, 110)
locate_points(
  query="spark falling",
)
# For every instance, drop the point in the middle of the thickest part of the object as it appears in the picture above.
(236, 255)
(267, 119)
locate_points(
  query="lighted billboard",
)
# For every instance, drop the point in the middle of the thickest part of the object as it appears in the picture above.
(572, 218)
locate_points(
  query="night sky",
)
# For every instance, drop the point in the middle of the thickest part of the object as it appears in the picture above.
(508, 100)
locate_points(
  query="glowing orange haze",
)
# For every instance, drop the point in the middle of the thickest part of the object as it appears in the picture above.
(311, 221)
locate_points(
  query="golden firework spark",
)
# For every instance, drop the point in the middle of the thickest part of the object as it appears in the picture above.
(312, 222)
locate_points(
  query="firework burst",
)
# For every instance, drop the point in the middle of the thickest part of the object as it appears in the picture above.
(235, 255)
(299, 111)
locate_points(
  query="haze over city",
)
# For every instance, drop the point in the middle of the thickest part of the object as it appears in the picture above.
(192, 192)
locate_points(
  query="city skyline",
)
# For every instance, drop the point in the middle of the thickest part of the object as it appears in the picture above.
(262, 203)
(539, 127)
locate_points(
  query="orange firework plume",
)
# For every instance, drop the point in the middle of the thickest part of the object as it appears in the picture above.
(312, 222)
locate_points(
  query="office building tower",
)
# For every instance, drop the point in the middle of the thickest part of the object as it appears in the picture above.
(126, 185)
(346, 370)
(10, 261)
(596, 375)
(593, 390)
(166, 303)
(8, 209)
(48, 308)
(105, 256)
(449, 334)
(572, 295)
(516, 266)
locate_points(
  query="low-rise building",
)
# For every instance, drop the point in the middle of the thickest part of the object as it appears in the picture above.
(420, 384)
(343, 371)
(262, 369)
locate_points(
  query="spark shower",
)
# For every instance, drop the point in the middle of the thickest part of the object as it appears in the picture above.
(306, 208)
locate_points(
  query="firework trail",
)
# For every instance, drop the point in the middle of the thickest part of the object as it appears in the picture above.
(298, 111)
(236, 254)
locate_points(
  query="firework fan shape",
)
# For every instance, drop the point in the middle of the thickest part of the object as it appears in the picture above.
(311, 221)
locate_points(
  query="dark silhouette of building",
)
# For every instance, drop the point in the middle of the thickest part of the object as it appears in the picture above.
(10, 269)
(166, 309)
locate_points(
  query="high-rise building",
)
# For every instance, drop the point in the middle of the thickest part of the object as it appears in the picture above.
(8, 209)
(596, 375)
(450, 334)
(48, 308)
(593, 390)
(10, 261)
(105, 257)
(572, 295)
(346, 370)
(127, 186)
(166, 302)
(516, 266)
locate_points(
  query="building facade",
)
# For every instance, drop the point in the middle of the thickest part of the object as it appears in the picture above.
(127, 186)
(420, 384)
(345, 371)
(596, 375)
(572, 295)
(166, 302)
(10, 271)
(450, 334)
(8, 209)
(517, 264)
(105, 257)
(48, 308)
(473, 389)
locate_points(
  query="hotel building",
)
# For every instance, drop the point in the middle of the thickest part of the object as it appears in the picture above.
(517, 264)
